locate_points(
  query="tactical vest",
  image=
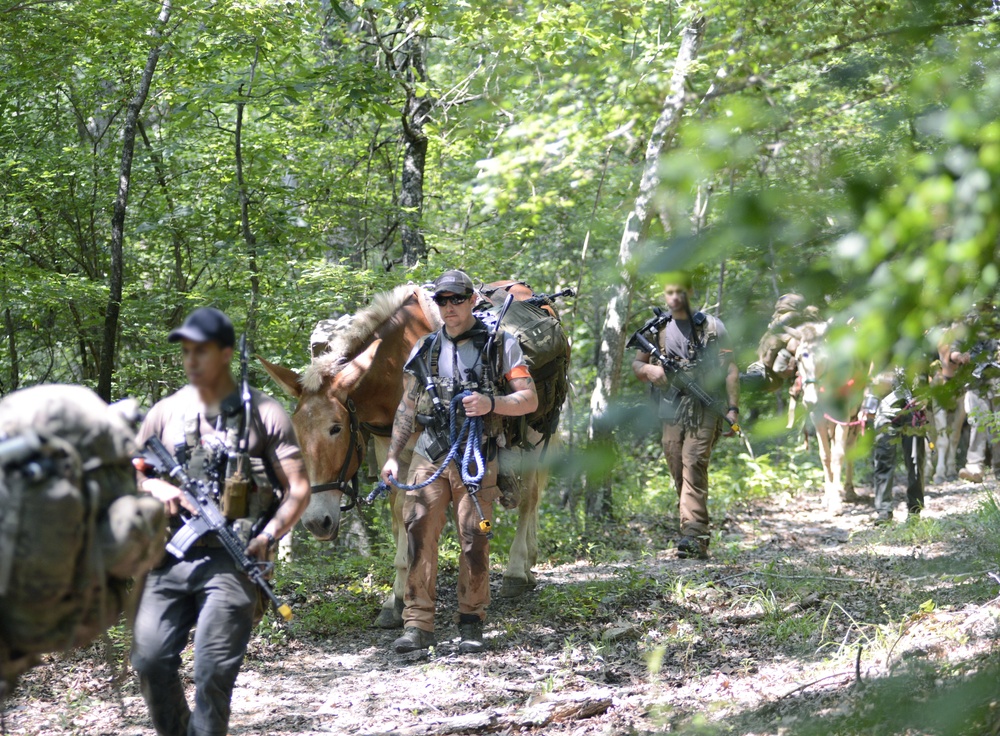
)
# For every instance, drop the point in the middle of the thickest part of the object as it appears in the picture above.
(674, 406)
(489, 380)
(246, 487)
(705, 331)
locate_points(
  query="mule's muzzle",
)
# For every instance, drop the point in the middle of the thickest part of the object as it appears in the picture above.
(324, 525)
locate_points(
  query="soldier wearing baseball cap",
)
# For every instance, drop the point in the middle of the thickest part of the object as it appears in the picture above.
(206, 324)
(204, 588)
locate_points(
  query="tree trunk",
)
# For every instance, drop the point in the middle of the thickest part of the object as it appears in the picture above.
(179, 285)
(248, 236)
(612, 343)
(12, 354)
(109, 343)
(411, 192)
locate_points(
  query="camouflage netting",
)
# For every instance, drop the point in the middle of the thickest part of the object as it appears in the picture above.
(73, 533)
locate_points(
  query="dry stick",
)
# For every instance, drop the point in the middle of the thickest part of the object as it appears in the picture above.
(814, 682)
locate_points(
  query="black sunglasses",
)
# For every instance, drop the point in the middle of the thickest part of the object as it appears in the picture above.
(455, 299)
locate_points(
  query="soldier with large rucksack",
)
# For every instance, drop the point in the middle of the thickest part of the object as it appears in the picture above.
(75, 540)
(469, 374)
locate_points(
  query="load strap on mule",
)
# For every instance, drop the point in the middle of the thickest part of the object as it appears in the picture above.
(470, 433)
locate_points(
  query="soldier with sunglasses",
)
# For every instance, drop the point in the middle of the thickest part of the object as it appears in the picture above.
(443, 364)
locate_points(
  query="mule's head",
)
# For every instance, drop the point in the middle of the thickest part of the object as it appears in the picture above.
(323, 427)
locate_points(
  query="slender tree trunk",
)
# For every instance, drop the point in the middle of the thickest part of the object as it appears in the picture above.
(12, 354)
(179, 285)
(612, 343)
(411, 192)
(115, 285)
(248, 235)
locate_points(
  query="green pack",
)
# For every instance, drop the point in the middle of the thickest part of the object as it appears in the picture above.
(546, 352)
(72, 530)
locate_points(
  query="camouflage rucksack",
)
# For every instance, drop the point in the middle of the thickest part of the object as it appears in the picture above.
(546, 352)
(72, 530)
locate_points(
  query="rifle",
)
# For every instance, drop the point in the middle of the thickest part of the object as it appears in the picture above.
(209, 519)
(981, 368)
(676, 373)
(545, 300)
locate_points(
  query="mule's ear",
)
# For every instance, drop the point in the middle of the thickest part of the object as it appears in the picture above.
(354, 371)
(289, 380)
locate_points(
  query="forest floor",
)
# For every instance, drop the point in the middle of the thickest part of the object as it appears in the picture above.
(799, 623)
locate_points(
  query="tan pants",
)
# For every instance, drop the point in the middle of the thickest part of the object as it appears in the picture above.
(688, 452)
(425, 512)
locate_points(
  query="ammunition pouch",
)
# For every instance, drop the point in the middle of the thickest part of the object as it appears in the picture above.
(668, 404)
(235, 500)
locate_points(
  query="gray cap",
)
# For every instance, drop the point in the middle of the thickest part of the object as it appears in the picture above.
(455, 282)
(206, 324)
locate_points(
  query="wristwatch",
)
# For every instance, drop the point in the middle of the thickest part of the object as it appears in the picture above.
(271, 541)
(734, 408)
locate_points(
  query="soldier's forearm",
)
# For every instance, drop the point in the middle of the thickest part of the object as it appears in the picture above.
(402, 429)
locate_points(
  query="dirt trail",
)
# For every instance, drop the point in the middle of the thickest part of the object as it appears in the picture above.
(744, 638)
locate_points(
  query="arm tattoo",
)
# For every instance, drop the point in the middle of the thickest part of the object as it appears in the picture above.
(402, 428)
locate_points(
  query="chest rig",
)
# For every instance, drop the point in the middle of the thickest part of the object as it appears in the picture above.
(704, 332)
(244, 487)
(484, 376)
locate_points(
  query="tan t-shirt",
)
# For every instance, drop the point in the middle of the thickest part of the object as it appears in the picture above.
(274, 441)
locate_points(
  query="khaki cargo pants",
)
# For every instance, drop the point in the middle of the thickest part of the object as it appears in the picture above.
(425, 512)
(688, 452)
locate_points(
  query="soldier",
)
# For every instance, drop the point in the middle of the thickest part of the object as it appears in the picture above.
(460, 357)
(205, 587)
(982, 396)
(898, 419)
(701, 344)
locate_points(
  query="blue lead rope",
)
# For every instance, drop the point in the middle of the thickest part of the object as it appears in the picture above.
(472, 433)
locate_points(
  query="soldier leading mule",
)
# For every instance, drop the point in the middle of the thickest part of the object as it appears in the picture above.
(353, 390)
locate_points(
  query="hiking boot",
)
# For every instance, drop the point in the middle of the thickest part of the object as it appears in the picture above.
(472, 636)
(883, 518)
(412, 640)
(973, 476)
(692, 548)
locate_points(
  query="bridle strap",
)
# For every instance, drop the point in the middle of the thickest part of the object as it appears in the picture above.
(347, 486)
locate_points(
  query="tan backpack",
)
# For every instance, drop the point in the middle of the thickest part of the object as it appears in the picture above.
(72, 530)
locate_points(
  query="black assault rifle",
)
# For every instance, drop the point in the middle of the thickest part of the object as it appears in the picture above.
(545, 300)
(209, 519)
(678, 375)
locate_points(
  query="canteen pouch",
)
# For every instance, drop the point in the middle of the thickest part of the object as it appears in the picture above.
(670, 405)
(236, 493)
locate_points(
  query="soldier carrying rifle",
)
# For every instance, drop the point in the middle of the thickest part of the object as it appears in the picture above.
(239, 443)
(699, 344)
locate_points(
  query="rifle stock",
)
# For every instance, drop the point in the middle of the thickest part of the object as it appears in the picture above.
(209, 519)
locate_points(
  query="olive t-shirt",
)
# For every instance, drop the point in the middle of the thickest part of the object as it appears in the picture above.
(272, 437)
